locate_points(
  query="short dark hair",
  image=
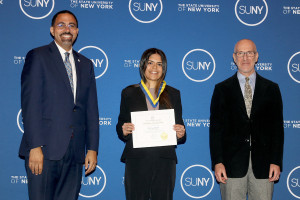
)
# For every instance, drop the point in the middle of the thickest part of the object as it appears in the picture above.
(63, 12)
(144, 62)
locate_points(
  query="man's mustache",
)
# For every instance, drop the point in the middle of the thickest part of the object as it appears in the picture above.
(66, 33)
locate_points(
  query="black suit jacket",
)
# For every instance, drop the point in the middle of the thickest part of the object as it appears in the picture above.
(133, 99)
(49, 114)
(230, 128)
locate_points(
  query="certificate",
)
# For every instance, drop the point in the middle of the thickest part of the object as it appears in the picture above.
(153, 128)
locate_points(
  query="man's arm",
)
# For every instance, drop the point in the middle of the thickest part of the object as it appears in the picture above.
(216, 128)
(92, 125)
(277, 139)
(216, 133)
(31, 103)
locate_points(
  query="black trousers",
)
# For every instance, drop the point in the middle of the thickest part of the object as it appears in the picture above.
(150, 178)
(60, 179)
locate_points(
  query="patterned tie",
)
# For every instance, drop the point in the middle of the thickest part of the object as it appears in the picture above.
(248, 96)
(69, 70)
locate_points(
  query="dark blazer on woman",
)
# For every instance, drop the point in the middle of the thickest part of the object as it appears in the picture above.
(133, 99)
(230, 128)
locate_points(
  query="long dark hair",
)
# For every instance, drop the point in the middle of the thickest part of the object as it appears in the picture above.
(164, 97)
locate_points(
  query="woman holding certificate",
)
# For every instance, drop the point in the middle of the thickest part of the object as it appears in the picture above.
(151, 137)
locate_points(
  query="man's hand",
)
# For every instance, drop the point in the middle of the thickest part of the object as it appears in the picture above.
(274, 172)
(90, 161)
(36, 159)
(220, 173)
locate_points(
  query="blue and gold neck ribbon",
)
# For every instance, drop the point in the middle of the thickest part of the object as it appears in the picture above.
(153, 102)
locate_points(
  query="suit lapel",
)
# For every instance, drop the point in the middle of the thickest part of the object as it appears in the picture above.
(141, 98)
(258, 94)
(60, 66)
(238, 94)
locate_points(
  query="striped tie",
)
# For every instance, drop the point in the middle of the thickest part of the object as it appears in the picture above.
(248, 96)
(69, 70)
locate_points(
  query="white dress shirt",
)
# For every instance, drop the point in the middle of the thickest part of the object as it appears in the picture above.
(71, 58)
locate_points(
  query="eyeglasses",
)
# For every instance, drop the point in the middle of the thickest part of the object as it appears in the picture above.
(62, 26)
(242, 53)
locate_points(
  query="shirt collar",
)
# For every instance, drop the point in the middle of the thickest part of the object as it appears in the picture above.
(241, 77)
(62, 51)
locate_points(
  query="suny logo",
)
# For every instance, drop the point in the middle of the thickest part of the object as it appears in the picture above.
(20, 121)
(293, 182)
(197, 181)
(251, 12)
(94, 184)
(294, 67)
(198, 65)
(145, 11)
(37, 9)
(98, 57)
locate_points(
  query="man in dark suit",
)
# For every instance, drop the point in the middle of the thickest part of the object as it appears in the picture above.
(246, 130)
(60, 114)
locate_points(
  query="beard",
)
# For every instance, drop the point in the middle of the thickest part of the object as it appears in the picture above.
(66, 41)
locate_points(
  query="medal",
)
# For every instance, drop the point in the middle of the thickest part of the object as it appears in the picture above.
(153, 102)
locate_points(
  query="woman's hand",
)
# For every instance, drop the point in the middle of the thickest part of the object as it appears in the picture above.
(180, 130)
(127, 128)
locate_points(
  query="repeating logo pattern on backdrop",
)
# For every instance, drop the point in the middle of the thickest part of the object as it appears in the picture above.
(291, 123)
(291, 10)
(293, 182)
(37, 9)
(145, 11)
(132, 63)
(261, 66)
(94, 184)
(196, 123)
(197, 181)
(105, 121)
(294, 67)
(251, 12)
(98, 57)
(18, 180)
(20, 121)
(198, 65)
(18, 60)
(98, 4)
(198, 8)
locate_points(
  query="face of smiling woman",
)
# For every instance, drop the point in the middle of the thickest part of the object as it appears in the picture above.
(154, 70)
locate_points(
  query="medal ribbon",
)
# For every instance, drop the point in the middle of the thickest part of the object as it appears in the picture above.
(153, 102)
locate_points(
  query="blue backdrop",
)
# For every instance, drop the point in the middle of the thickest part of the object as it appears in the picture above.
(197, 36)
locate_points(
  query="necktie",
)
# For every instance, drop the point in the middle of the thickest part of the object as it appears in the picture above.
(69, 70)
(248, 96)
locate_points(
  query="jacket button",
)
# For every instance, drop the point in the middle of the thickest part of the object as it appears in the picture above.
(74, 110)
(71, 126)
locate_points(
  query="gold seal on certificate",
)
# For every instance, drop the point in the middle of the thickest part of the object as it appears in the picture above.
(153, 128)
(164, 136)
